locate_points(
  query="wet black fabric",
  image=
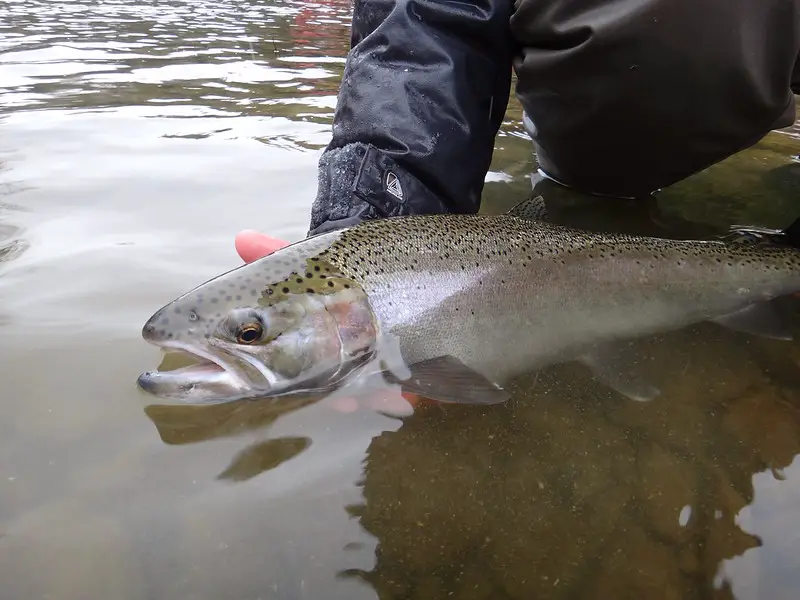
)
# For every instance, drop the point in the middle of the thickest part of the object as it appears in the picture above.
(355, 181)
(622, 97)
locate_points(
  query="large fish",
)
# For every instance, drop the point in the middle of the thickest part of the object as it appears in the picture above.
(452, 306)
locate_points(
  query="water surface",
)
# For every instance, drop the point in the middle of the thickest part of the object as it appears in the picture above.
(136, 139)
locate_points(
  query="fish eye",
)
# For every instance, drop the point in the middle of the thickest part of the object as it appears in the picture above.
(249, 333)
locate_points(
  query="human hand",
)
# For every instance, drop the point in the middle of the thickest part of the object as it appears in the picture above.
(252, 245)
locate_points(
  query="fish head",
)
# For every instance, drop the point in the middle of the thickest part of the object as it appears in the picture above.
(269, 328)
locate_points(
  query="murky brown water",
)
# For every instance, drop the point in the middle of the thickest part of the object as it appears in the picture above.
(136, 139)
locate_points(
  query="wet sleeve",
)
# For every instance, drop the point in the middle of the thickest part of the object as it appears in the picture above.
(424, 91)
(796, 77)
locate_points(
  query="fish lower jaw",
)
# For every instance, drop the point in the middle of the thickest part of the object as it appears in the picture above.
(206, 378)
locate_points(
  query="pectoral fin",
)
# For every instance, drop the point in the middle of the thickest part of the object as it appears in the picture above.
(757, 319)
(790, 236)
(447, 379)
(391, 358)
(614, 365)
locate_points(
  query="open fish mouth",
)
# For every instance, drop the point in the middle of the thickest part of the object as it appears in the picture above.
(206, 377)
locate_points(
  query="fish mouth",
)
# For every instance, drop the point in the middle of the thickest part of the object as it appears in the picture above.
(209, 377)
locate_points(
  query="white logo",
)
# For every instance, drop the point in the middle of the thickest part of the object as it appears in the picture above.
(393, 185)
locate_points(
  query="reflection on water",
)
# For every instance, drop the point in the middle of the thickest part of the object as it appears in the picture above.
(192, 424)
(11, 244)
(137, 138)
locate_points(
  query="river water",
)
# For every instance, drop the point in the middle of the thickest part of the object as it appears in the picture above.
(136, 139)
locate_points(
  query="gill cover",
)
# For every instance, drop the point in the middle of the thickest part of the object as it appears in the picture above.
(308, 341)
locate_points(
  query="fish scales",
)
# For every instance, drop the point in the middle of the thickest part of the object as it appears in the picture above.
(499, 293)
(463, 284)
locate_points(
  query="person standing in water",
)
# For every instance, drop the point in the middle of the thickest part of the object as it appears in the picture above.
(621, 98)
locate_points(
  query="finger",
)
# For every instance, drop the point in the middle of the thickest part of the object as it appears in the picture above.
(394, 404)
(413, 399)
(402, 404)
(345, 405)
(252, 245)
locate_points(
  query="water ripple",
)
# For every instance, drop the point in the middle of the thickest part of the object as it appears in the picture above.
(136, 139)
(224, 55)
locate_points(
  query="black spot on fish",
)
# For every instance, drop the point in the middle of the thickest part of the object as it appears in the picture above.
(285, 290)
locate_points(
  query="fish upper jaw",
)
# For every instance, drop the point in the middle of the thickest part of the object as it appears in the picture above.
(268, 380)
(149, 331)
(215, 374)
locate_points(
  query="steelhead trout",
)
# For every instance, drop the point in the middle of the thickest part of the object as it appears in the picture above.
(452, 306)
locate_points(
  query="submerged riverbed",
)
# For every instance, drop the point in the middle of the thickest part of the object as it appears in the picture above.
(136, 139)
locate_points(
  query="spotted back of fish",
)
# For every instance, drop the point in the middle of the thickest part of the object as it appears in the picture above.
(369, 254)
(294, 269)
(463, 242)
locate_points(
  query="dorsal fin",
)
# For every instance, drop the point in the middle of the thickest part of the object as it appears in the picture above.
(792, 233)
(762, 235)
(532, 208)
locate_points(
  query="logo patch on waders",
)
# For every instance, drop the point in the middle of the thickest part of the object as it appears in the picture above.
(392, 184)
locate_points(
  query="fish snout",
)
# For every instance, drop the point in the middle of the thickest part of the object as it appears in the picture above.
(149, 332)
(156, 330)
